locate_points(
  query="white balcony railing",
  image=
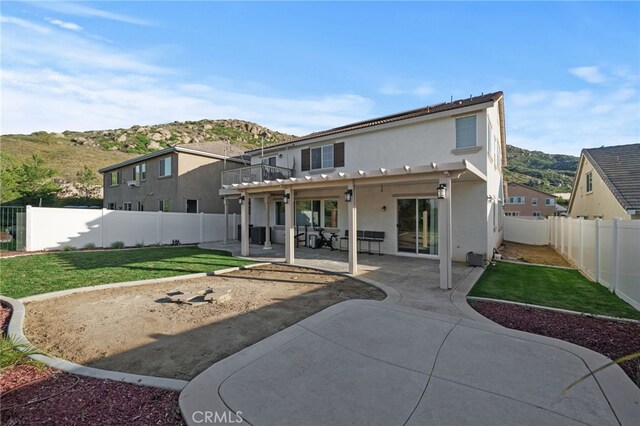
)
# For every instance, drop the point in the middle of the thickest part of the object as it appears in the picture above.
(255, 173)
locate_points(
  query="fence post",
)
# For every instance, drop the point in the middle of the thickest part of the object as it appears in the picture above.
(235, 226)
(569, 238)
(201, 227)
(597, 243)
(159, 228)
(102, 244)
(27, 232)
(615, 251)
(562, 222)
(581, 243)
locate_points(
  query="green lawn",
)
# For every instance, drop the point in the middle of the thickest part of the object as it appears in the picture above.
(557, 288)
(28, 275)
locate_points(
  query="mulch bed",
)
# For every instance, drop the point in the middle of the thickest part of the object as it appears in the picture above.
(32, 395)
(612, 339)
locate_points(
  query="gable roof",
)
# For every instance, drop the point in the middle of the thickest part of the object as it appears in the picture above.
(619, 168)
(213, 149)
(431, 109)
(533, 189)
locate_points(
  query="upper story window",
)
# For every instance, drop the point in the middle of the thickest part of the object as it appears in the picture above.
(323, 157)
(589, 181)
(114, 178)
(466, 132)
(534, 201)
(140, 172)
(165, 167)
(515, 200)
(549, 202)
(269, 161)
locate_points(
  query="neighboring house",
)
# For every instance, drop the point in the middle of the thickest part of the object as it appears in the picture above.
(182, 178)
(607, 183)
(390, 167)
(526, 201)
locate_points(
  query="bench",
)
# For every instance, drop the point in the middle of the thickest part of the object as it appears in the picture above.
(366, 236)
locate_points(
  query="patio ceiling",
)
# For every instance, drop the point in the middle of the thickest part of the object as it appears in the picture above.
(459, 171)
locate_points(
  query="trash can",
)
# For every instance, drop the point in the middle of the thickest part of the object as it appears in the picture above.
(313, 239)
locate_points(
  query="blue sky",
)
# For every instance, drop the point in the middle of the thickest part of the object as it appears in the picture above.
(570, 70)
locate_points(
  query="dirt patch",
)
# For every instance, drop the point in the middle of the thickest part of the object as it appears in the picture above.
(130, 330)
(612, 339)
(542, 255)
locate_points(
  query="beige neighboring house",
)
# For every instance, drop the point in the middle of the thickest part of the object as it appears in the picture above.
(526, 201)
(183, 178)
(607, 183)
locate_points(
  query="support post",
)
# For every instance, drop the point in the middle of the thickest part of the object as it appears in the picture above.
(444, 235)
(226, 220)
(615, 254)
(267, 232)
(289, 231)
(352, 219)
(244, 225)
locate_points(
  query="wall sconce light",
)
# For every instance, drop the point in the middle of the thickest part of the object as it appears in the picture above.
(241, 199)
(490, 198)
(384, 208)
(347, 195)
(442, 191)
(286, 198)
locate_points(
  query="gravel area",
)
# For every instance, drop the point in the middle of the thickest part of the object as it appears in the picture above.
(612, 339)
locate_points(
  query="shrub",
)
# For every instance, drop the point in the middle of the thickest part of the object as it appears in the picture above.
(89, 246)
(140, 244)
(15, 352)
(117, 245)
(68, 247)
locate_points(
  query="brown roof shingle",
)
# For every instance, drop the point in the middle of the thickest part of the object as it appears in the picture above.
(619, 167)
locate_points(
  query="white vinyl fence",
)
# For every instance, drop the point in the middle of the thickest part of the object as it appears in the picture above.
(606, 251)
(51, 228)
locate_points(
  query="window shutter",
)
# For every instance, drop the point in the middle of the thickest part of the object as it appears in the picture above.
(338, 154)
(306, 159)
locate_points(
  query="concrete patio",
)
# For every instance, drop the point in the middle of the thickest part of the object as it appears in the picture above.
(420, 357)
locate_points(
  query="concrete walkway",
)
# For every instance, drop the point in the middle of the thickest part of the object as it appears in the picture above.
(400, 362)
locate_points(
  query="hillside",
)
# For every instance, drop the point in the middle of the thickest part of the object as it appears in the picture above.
(546, 172)
(70, 151)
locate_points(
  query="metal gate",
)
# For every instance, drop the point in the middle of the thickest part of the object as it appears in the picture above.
(12, 228)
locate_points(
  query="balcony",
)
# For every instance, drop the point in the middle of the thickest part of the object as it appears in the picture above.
(255, 173)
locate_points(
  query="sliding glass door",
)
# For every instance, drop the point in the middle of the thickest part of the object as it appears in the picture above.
(418, 225)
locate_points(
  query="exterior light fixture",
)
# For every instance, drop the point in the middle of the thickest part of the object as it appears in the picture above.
(442, 191)
(241, 199)
(384, 208)
(286, 198)
(347, 195)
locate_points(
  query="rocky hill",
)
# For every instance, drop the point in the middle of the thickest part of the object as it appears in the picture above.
(70, 151)
(546, 172)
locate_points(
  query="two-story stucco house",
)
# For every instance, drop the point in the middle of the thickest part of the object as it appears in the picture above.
(182, 179)
(523, 200)
(430, 179)
(607, 183)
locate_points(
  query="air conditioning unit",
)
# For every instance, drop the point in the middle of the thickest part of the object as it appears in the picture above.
(133, 184)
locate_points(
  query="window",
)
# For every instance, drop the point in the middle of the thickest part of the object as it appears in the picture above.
(466, 132)
(549, 202)
(322, 157)
(269, 161)
(534, 201)
(515, 200)
(140, 172)
(163, 205)
(589, 182)
(165, 166)
(115, 178)
(192, 206)
(317, 213)
(536, 214)
(126, 206)
(279, 213)
(111, 206)
(140, 206)
(512, 213)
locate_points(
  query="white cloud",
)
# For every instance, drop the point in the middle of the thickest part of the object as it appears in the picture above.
(420, 90)
(66, 25)
(78, 9)
(589, 74)
(24, 24)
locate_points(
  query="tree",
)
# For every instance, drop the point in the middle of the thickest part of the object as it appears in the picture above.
(8, 186)
(86, 180)
(34, 181)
